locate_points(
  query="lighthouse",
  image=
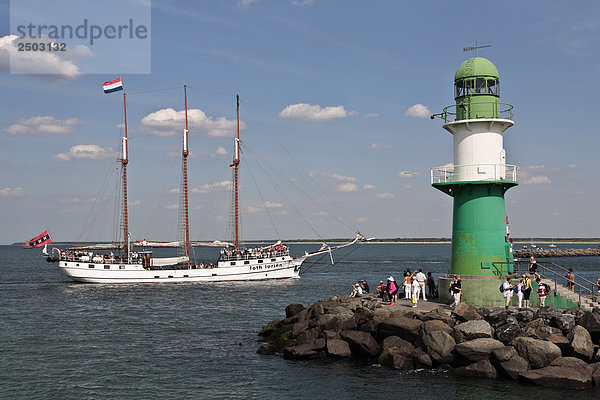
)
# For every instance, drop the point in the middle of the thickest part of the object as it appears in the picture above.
(477, 181)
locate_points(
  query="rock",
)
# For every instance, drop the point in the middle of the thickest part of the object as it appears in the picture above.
(595, 373)
(507, 331)
(481, 369)
(591, 322)
(478, 349)
(421, 359)
(318, 309)
(436, 325)
(293, 309)
(538, 353)
(338, 348)
(558, 377)
(581, 343)
(571, 363)
(298, 328)
(396, 359)
(513, 367)
(406, 328)
(405, 347)
(464, 312)
(329, 335)
(437, 314)
(362, 344)
(564, 322)
(561, 341)
(470, 330)
(495, 316)
(266, 349)
(300, 352)
(308, 336)
(363, 315)
(328, 322)
(502, 354)
(439, 346)
(380, 314)
(268, 329)
(525, 315)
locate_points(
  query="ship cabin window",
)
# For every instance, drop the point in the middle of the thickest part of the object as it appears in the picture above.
(246, 262)
(121, 267)
(260, 261)
(107, 267)
(232, 263)
(65, 264)
(90, 266)
(273, 259)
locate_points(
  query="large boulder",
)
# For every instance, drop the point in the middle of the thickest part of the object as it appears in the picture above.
(558, 377)
(508, 330)
(436, 325)
(478, 349)
(390, 342)
(406, 328)
(464, 312)
(421, 359)
(512, 367)
(538, 353)
(363, 315)
(481, 369)
(338, 348)
(298, 328)
(328, 322)
(525, 315)
(495, 316)
(396, 358)
(591, 322)
(362, 344)
(293, 309)
(581, 343)
(596, 373)
(564, 322)
(440, 346)
(571, 363)
(470, 330)
(437, 314)
(304, 351)
(308, 336)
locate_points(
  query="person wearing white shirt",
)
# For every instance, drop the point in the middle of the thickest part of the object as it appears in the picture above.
(507, 288)
(421, 278)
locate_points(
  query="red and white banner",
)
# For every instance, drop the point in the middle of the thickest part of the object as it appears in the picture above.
(40, 240)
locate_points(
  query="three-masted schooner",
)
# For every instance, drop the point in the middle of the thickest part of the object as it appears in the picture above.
(99, 264)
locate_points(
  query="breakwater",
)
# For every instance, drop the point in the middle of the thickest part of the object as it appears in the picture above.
(547, 347)
(541, 253)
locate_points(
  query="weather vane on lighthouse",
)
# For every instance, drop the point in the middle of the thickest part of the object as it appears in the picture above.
(476, 47)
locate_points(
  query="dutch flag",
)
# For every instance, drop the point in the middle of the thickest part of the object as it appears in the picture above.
(112, 86)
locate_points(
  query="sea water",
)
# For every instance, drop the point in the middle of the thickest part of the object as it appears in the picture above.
(65, 340)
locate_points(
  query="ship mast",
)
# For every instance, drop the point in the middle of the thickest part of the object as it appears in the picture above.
(236, 163)
(124, 161)
(185, 180)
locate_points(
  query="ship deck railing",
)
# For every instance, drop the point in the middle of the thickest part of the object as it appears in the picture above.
(236, 257)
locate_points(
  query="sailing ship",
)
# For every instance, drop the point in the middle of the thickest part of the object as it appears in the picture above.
(99, 264)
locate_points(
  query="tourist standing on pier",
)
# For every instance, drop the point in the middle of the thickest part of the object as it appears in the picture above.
(542, 292)
(456, 290)
(408, 284)
(570, 279)
(392, 290)
(528, 289)
(416, 288)
(421, 278)
(431, 285)
(598, 285)
(507, 291)
(519, 289)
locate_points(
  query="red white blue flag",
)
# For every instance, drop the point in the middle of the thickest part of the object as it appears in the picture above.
(113, 86)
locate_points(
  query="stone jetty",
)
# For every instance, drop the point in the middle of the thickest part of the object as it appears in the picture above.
(546, 346)
(541, 253)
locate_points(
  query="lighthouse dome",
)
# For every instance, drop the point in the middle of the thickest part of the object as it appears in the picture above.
(476, 67)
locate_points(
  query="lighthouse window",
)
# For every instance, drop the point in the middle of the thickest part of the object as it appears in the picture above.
(492, 86)
(459, 89)
(469, 87)
(480, 86)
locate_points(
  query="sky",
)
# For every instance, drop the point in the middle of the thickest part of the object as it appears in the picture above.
(335, 104)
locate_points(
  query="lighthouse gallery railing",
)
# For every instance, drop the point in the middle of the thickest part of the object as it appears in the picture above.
(475, 172)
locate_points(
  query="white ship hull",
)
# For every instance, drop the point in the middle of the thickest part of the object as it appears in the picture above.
(241, 270)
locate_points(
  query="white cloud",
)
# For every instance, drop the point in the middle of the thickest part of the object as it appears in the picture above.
(314, 112)
(339, 177)
(55, 63)
(42, 124)
(219, 151)
(169, 122)
(135, 203)
(176, 190)
(347, 187)
(86, 152)
(418, 111)
(371, 115)
(207, 188)
(369, 186)
(11, 192)
(254, 210)
(385, 196)
(246, 3)
(536, 180)
(302, 2)
(270, 204)
(376, 146)
(572, 166)
(407, 174)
